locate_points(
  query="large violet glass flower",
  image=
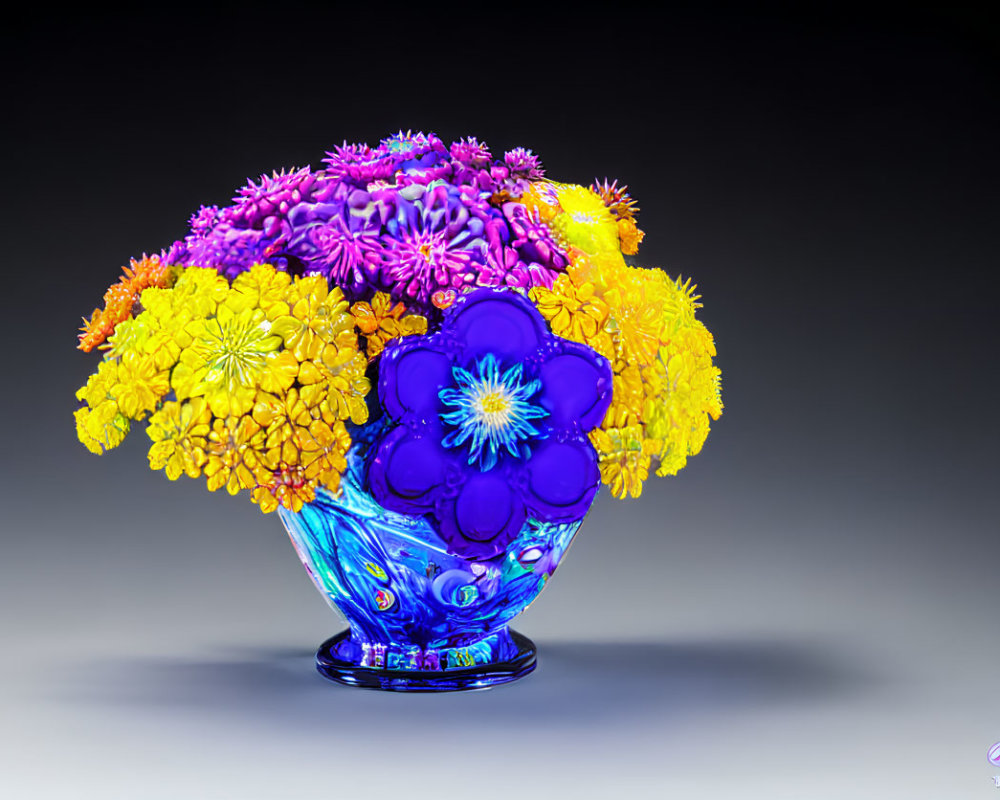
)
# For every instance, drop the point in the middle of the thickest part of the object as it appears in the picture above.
(488, 424)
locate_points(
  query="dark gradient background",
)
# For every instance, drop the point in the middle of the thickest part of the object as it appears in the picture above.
(808, 611)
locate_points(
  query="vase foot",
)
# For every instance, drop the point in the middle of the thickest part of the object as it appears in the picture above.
(481, 676)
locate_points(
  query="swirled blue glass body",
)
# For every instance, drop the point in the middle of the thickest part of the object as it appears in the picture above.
(412, 605)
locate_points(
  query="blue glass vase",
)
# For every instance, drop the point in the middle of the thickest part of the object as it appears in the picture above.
(421, 619)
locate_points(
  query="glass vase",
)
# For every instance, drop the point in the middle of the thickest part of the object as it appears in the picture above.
(421, 619)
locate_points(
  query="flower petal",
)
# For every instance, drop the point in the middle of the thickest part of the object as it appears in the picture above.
(503, 324)
(484, 517)
(407, 469)
(576, 388)
(410, 378)
(562, 480)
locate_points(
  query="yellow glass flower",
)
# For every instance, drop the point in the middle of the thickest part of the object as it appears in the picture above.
(336, 380)
(630, 236)
(144, 336)
(628, 397)
(139, 385)
(320, 333)
(234, 447)
(197, 293)
(288, 487)
(665, 385)
(130, 337)
(230, 356)
(304, 449)
(679, 415)
(575, 312)
(180, 438)
(585, 221)
(263, 287)
(101, 427)
(98, 386)
(318, 316)
(636, 303)
(625, 456)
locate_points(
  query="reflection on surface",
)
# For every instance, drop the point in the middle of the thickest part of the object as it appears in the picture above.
(575, 681)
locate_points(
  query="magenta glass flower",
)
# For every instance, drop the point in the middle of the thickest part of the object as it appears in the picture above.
(489, 420)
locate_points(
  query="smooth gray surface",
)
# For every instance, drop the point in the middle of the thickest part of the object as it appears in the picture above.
(776, 654)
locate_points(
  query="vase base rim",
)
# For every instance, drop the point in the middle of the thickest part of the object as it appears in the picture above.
(481, 676)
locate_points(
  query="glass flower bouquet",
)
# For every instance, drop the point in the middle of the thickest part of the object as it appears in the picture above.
(427, 361)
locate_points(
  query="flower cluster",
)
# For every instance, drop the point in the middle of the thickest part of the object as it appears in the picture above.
(412, 217)
(250, 384)
(519, 360)
(665, 385)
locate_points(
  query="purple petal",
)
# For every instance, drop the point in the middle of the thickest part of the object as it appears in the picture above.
(485, 516)
(410, 378)
(505, 325)
(562, 480)
(408, 469)
(576, 389)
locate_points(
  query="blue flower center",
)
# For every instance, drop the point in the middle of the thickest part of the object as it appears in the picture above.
(491, 412)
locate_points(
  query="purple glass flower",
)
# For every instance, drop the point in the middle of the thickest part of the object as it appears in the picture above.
(205, 219)
(410, 216)
(411, 145)
(489, 420)
(436, 241)
(350, 257)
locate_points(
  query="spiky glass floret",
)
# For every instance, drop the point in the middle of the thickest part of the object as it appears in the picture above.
(257, 204)
(204, 219)
(121, 297)
(470, 163)
(413, 145)
(359, 163)
(616, 198)
(493, 411)
(470, 152)
(420, 158)
(524, 164)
